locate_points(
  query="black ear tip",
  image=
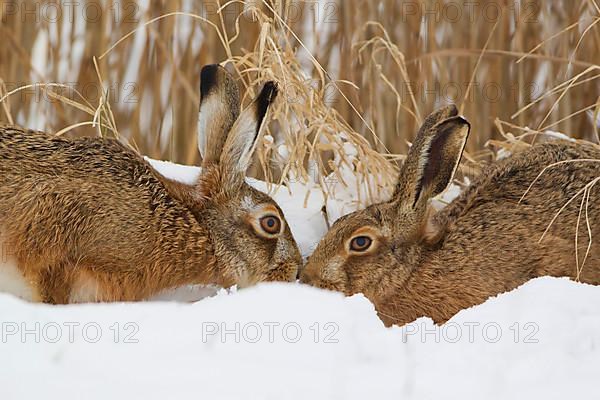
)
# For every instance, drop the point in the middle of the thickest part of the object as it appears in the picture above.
(209, 78)
(269, 91)
(452, 110)
(210, 68)
(265, 98)
(445, 112)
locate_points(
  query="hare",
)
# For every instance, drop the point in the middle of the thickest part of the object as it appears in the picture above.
(90, 220)
(411, 261)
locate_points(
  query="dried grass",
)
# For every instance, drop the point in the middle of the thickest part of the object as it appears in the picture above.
(351, 71)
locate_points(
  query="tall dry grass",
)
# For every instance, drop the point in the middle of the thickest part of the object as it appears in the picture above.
(359, 71)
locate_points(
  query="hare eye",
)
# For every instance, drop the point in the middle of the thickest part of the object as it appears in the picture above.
(270, 224)
(360, 243)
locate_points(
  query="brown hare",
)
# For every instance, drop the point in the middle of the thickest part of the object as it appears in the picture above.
(90, 220)
(411, 261)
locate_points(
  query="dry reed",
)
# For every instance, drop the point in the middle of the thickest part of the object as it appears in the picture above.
(351, 71)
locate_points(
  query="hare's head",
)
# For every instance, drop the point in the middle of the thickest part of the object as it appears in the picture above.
(251, 239)
(377, 248)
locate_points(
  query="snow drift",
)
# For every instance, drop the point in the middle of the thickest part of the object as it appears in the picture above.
(288, 341)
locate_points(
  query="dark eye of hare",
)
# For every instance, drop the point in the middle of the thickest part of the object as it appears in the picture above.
(270, 224)
(360, 243)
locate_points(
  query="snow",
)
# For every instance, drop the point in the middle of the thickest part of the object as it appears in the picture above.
(558, 135)
(288, 341)
(291, 341)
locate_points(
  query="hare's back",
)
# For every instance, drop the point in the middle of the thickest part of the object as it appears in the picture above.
(37, 154)
(548, 173)
(551, 171)
(97, 187)
(546, 191)
(531, 187)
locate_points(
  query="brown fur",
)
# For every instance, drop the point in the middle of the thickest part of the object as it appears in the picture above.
(91, 211)
(482, 244)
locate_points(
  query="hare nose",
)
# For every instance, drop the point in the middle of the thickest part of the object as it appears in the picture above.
(302, 277)
(301, 268)
(305, 276)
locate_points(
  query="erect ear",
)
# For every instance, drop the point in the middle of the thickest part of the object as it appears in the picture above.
(219, 109)
(432, 160)
(241, 141)
(436, 117)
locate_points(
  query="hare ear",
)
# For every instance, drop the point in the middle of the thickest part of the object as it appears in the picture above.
(436, 117)
(431, 161)
(241, 141)
(219, 109)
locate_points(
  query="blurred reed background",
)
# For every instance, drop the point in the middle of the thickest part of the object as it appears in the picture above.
(358, 73)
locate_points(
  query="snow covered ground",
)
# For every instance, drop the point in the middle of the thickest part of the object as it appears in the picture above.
(288, 341)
